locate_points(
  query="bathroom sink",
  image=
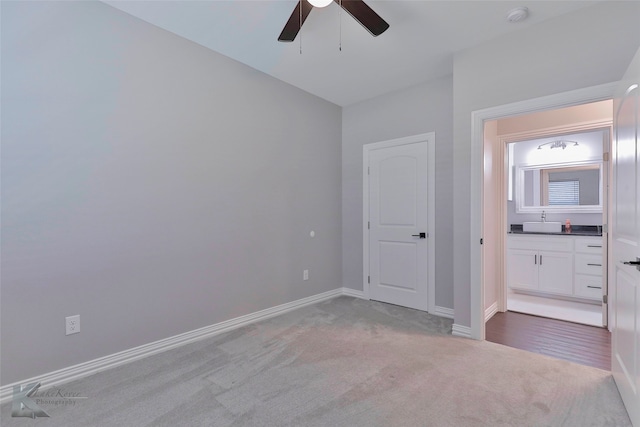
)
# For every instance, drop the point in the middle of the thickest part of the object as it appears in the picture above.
(542, 227)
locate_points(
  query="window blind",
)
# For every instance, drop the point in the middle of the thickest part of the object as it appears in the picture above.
(564, 193)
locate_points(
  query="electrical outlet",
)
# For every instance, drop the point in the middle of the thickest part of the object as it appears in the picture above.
(305, 275)
(72, 324)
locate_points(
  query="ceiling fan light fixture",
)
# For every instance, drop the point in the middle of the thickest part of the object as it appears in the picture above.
(320, 3)
(358, 9)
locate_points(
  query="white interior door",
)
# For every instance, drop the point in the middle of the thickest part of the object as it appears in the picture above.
(398, 267)
(625, 277)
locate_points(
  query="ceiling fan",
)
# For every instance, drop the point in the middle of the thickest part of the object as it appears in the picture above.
(356, 8)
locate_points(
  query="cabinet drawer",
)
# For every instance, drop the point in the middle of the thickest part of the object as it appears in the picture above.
(588, 287)
(589, 246)
(589, 264)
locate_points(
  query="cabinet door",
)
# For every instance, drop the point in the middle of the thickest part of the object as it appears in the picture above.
(555, 272)
(522, 269)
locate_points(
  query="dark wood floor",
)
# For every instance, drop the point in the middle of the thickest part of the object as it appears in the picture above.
(587, 345)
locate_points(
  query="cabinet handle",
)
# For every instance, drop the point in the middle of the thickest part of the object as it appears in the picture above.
(594, 287)
(594, 246)
(595, 265)
(535, 259)
(540, 259)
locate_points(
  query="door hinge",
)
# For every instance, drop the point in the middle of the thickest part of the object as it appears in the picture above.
(369, 225)
(605, 157)
(481, 241)
(605, 299)
(368, 279)
(605, 228)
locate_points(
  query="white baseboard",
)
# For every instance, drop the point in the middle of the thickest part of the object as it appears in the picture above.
(65, 375)
(490, 311)
(443, 312)
(91, 367)
(461, 331)
(353, 293)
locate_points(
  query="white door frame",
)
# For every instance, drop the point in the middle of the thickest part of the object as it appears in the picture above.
(429, 139)
(478, 117)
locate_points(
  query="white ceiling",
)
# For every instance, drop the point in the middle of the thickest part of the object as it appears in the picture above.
(418, 46)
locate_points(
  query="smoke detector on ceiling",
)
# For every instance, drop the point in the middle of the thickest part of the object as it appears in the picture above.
(518, 14)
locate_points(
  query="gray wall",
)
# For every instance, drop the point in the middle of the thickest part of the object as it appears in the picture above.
(589, 47)
(151, 186)
(420, 109)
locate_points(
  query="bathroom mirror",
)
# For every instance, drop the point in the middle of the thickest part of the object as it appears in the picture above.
(559, 187)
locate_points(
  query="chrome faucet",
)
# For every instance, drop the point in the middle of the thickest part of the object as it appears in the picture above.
(543, 217)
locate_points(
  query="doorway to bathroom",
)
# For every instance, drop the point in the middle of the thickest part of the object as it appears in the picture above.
(547, 175)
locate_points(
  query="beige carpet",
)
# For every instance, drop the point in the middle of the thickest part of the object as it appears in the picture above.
(343, 362)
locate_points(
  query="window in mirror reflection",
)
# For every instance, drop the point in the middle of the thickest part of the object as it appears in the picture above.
(564, 193)
(571, 186)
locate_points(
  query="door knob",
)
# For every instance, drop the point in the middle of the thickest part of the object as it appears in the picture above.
(421, 235)
(636, 263)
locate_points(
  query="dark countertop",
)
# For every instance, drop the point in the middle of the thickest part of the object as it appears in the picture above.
(576, 230)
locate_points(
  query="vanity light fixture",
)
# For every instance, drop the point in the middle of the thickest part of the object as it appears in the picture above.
(558, 143)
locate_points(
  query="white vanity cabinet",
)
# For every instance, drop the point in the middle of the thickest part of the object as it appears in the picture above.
(567, 266)
(540, 263)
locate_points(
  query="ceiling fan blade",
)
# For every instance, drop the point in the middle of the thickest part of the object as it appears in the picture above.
(291, 28)
(365, 16)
